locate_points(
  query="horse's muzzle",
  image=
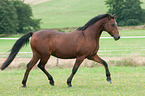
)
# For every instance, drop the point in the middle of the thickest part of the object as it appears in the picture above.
(117, 37)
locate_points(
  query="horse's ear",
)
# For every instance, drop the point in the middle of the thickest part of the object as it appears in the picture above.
(109, 17)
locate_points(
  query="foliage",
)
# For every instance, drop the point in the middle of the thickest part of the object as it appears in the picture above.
(16, 16)
(8, 17)
(128, 12)
(25, 17)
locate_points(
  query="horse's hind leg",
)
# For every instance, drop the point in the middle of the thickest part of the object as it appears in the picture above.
(41, 65)
(29, 67)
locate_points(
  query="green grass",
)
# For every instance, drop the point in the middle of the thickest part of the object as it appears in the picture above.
(122, 48)
(125, 46)
(143, 5)
(68, 13)
(125, 33)
(127, 81)
(6, 45)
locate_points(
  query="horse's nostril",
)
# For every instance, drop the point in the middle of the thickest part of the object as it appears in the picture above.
(118, 37)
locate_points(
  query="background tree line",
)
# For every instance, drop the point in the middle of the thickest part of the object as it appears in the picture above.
(128, 12)
(16, 16)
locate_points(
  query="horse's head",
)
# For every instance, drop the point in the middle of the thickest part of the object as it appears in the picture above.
(111, 27)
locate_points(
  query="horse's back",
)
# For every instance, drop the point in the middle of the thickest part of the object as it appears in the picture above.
(45, 33)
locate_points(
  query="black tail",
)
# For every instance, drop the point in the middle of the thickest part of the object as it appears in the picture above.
(15, 49)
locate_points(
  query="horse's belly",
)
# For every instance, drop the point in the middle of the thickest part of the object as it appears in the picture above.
(64, 50)
(64, 55)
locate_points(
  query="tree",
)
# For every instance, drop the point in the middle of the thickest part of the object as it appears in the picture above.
(16, 16)
(128, 12)
(8, 17)
(25, 17)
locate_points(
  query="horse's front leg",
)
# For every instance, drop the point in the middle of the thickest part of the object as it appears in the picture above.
(78, 62)
(96, 58)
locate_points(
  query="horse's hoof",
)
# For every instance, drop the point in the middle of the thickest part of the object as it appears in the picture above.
(109, 80)
(51, 82)
(69, 85)
(24, 86)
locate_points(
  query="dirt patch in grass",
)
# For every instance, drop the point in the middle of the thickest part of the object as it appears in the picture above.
(20, 63)
(132, 27)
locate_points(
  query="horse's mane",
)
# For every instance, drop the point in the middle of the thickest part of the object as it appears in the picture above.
(94, 20)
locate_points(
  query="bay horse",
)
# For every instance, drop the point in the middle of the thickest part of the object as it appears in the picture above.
(80, 44)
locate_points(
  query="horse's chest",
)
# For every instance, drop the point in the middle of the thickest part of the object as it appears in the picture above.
(91, 49)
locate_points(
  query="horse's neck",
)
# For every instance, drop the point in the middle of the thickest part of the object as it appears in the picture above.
(95, 30)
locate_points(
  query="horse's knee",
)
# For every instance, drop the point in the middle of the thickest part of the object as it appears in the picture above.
(30, 64)
(40, 66)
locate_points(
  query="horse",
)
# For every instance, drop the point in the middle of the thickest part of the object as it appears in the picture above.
(82, 43)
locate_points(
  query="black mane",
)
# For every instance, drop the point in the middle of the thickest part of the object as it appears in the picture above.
(94, 20)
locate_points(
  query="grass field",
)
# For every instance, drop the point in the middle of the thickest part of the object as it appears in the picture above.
(127, 81)
(68, 13)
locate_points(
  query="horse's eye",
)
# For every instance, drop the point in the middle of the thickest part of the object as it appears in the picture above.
(113, 25)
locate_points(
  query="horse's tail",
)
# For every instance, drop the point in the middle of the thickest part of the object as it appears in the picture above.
(15, 49)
